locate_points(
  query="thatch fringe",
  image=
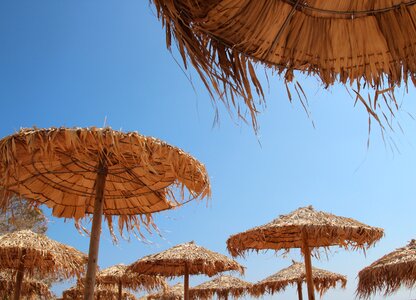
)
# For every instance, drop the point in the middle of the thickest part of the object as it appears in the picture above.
(223, 286)
(370, 43)
(175, 292)
(31, 289)
(58, 167)
(294, 274)
(389, 273)
(77, 293)
(40, 254)
(197, 260)
(322, 230)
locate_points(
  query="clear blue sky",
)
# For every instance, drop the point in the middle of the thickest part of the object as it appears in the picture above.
(79, 63)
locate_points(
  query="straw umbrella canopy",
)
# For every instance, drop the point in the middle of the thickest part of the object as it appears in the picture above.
(296, 275)
(175, 292)
(389, 273)
(31, 289)
(184, 260)
(77, 293)
(222, 286)
(28, 252)
(305, 228)
(119, 276)
(350, 42)
(99, 171)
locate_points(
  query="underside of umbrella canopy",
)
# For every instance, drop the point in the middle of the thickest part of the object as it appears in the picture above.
(389, 273)
(351, 42)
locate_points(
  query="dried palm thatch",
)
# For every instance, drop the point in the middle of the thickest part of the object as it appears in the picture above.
(351, 42)
(223, 286)
(295, 275)
(185, 259)
(175, 292)
(82, 171)
(77, 293)
(305, 228)
(322, 230)
(31, 289)
(119, 276)
(389, 273)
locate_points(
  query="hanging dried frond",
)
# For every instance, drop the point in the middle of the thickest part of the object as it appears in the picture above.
(58, 167)
(321, 229)
(196, 259)
(296, 274)
(389, 273)
(223, 286)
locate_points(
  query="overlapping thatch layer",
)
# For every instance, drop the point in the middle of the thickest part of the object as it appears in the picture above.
(372, 42)
(389, 273)
(59, 166)
(31, 289)
(222, 286)
(321, 229)
(40, 254)
(197, 260)
(175, 292)
(296, 274)
(118, 274)
(77, 293)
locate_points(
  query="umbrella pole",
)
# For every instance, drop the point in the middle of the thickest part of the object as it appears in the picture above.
(19, 276)
(186, 283)
(300, 291)
(120, 289)
(95, 230)
(308, 266)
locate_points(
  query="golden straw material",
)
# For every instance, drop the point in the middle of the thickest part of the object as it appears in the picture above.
(223, 286)
(77, 293)
(118, 274)
(40, 254)
(31, 289)
(58, 167)
(171, 293)
(320, 228)
(296, 274)
(350, 42)
(197, 259)
(389, 273)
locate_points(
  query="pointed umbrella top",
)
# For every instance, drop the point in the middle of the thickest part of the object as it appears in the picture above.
(30, 288)
(389, 273)
(320, 228)
(118, 274)
(77, 293)
(322, 280)
(198, 260)
(175, 292)
(40, 253)
(222, 286)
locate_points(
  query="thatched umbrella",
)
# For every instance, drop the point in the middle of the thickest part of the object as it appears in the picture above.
(351, 42)
(222, 286)
(296, 275)
(29, 252)
(175, 292)
(83, 171)
(184, 260)
(31, 289)
(119, 276)
(77, 293)
(389, 273)
(305, 228)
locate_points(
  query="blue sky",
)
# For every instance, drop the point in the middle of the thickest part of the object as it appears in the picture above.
(90, 63)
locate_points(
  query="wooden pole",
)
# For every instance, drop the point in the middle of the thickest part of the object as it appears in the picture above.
(95, 230)
(19, 276)
(120, 290)
(308, 266)
(186, 283)
(300, 290)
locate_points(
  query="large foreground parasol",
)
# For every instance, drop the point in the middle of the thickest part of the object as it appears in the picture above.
(184, 260)
(389, 273)
(223, 286)
(83, 171)
(305, 228)
(296, 275)
(28, 252)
